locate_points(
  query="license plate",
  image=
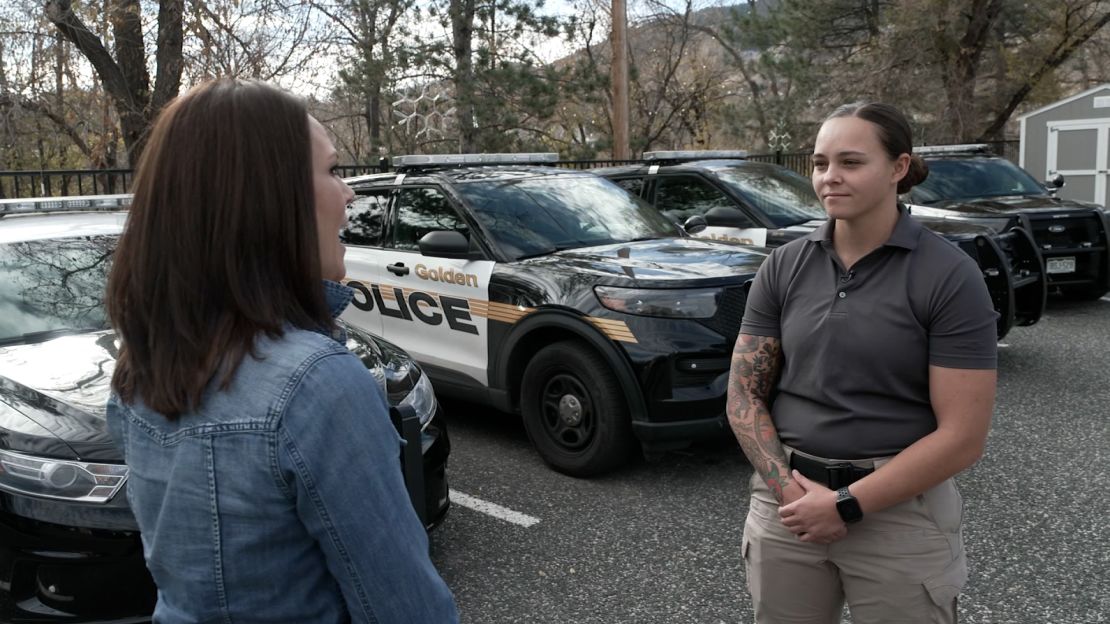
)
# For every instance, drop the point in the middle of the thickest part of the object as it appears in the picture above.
(1065, 264)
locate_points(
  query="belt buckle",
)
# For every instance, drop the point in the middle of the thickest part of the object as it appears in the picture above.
(838, 475)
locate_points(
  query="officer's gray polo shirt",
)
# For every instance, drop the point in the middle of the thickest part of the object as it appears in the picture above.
(857, 345)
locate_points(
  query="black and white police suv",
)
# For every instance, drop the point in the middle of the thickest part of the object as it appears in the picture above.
(553, 293)
(968, 182)
(721, 195)
(69, 545)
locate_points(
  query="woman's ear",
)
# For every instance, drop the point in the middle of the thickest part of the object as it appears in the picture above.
(901, 168)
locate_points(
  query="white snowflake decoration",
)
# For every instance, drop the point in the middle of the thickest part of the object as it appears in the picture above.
(426, 113)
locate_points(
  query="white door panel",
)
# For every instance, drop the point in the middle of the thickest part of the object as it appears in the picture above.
(1080, 151)
(363, 266)
(436, 309)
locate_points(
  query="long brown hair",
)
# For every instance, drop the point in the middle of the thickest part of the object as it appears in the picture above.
(220, 244)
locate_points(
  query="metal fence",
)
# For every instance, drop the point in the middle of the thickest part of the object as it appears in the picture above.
(65, 182)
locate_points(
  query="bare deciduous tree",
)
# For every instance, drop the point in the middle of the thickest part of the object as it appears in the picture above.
(125, 76)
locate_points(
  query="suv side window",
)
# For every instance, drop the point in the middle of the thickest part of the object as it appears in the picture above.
(632, 185)
(681, 197)
(423, 210)
(365, 219)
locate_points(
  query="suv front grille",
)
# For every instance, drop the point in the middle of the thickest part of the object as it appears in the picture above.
(730, 311)
(1078, 239)
(1072, 233)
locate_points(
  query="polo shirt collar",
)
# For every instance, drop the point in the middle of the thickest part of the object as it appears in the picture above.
(905, 234)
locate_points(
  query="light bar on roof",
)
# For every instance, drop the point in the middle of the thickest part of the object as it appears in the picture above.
(432, 160)
(84, 203)
(695, 154)
(951, 149)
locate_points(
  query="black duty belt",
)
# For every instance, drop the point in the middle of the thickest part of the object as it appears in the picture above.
(833, 476)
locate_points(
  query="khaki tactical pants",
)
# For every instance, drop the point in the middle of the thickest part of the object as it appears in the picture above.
(900, 565)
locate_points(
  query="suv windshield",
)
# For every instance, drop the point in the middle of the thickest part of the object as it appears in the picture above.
(538, 215)
(784, 196)
(53, 285)
(971, 178)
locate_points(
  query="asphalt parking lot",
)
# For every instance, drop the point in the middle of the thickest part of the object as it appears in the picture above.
(659, 542)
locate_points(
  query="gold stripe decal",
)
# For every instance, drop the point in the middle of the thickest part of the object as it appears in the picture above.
(615, 330)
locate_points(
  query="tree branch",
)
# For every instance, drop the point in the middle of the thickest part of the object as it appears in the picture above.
(60, 13)
(15, 101)
(1061, 53)
(168, 57)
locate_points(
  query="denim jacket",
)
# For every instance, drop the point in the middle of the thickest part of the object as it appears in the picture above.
(280, 499)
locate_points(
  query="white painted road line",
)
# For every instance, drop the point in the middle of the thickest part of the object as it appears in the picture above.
(1003, 345)
(497, 511)
(1106, 299)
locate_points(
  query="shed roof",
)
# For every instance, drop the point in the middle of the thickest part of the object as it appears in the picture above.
(1103, 87)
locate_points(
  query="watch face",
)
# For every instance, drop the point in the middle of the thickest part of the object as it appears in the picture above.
(848, 506)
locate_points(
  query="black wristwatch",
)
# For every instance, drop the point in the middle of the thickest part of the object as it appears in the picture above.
(847, 506)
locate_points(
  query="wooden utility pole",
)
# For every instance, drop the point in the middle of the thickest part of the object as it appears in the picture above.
(619, 78)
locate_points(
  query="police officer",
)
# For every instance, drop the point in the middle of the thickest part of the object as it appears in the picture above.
(862, 382)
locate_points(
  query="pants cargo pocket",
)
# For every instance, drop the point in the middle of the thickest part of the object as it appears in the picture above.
(749, 550)
(945, 587)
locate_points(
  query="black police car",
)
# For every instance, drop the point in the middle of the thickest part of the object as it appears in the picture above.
(69, 546)
(721, 195)
(550, 292)
(968, 182)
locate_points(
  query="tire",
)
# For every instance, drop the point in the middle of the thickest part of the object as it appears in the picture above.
(574, 410)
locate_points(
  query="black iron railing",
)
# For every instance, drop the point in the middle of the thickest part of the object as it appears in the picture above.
(63, 182)
(67, 182)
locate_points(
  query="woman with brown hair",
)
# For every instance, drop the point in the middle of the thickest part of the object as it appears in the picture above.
(264, 469)
(862, 382)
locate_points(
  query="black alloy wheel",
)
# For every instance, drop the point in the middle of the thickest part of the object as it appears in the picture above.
(574, 410)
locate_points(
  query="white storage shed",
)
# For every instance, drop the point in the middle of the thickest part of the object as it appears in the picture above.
(1071, 137)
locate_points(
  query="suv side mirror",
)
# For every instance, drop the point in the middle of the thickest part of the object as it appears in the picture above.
(727, 216)
(1055, 182)
(695, 224)
(444, 244)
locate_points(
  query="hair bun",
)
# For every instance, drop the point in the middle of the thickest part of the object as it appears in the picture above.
(916, 174)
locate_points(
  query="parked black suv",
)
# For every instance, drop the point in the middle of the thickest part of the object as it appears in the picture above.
(69, 546)
(553, 293)
(967, 182)
(730, 198)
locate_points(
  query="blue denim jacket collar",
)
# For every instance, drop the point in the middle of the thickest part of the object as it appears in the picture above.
(337, 297)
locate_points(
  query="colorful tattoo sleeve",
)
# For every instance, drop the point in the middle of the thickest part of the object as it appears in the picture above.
(756, 362)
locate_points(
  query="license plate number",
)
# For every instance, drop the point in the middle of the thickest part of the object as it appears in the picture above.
(1060, 265)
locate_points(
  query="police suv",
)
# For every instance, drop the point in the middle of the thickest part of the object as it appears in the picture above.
(552, 293)
(719, 194)
(969, 183)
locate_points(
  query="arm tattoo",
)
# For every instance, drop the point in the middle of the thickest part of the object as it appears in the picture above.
(756, 362)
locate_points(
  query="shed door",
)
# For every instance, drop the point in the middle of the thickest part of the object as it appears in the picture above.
(1080, 150)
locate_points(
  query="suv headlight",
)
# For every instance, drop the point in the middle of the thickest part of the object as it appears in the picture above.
(61, 479)
(422, 399)
(689, 303)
